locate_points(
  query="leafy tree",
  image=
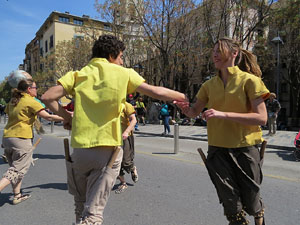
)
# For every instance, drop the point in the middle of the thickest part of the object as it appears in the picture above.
(5, 91)
(68, 55)
(162, 22)
(286, 21)
(239, 19)
(121, 17)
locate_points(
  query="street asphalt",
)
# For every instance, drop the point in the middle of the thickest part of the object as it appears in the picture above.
(173, 189)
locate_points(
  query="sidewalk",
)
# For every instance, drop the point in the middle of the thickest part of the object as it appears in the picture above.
(283, 140)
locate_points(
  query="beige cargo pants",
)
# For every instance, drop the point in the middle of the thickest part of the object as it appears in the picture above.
(90, 181)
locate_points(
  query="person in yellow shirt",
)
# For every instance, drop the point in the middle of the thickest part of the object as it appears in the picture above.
(141, 110)
(128, 121)
(99, 90)
(236, 109)
(18, 133)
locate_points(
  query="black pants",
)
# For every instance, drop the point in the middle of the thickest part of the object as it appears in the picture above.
(236, 174)
(128, 155)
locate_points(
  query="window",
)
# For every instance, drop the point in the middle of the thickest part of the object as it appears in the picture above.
(78, 39)
(64, 19)
(51, 42)
(78, 22)
(107, 27)
(41, 52)
(46, 46)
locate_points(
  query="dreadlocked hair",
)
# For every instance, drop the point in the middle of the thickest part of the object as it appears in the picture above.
(17, 93)
(245, 60)
(107, 45)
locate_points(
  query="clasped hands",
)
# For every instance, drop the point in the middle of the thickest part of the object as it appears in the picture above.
(206, 115)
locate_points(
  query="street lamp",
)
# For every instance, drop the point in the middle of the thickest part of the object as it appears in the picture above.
(277, 40)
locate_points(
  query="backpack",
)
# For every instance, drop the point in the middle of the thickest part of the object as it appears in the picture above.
(164, 110)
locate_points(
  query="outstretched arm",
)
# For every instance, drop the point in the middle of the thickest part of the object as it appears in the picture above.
(161, 93)
(193, 111)
(51, 97)
(45, 115)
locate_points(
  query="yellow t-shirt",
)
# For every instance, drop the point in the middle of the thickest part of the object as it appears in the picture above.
(241, 87)
(128, 110)
(99, 90)
(140, 104)
(21, 117)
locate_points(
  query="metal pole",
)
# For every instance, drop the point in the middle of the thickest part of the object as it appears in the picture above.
(52, 126)
(278, 72)
(0, 118)
(176, 138)
(4, 118)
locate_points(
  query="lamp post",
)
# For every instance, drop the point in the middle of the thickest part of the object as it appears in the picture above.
(277, 40)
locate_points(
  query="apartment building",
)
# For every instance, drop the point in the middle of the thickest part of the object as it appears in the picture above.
(58, 27)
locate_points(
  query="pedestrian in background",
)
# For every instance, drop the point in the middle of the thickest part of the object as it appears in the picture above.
(132, 101)
(141, 110)
(165, 116)
(22, 111)
(96, 130)
(128, 121)
(236, 109)
(273, 108)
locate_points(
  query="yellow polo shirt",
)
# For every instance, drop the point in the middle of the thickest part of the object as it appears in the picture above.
(240, 89)
(128, 110)
(100, 90)
(21, 117)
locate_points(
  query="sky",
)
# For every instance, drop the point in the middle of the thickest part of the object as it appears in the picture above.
(21, 19)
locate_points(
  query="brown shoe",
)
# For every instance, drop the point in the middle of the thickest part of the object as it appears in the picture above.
(134, 175)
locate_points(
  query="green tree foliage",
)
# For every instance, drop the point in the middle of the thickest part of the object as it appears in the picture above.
(5, 92)
(68, 55)
(286, 21)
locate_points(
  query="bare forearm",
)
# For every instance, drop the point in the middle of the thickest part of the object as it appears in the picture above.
(57, 109)
(54, 118)
(161, 93)
(246, 118)
(166, 94)
(130, 127)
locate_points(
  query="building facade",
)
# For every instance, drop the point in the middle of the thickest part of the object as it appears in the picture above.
(58, 27)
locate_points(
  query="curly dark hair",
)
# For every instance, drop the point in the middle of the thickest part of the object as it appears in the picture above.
(107, 45)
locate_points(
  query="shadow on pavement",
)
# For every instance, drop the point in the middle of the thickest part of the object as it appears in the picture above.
(47, 156)
(2, 162)
(58, 186)
(115, 187)
(5, 198)
(285, 155)
(199, 135)
(163, 153)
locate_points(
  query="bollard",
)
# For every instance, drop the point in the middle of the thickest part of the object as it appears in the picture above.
(4, 118)
(0, 118)
(52, 126)
(70, 132)
(176, 138)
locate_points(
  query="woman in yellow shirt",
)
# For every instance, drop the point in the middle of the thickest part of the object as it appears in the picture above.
(18, 133)
(236, 109)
